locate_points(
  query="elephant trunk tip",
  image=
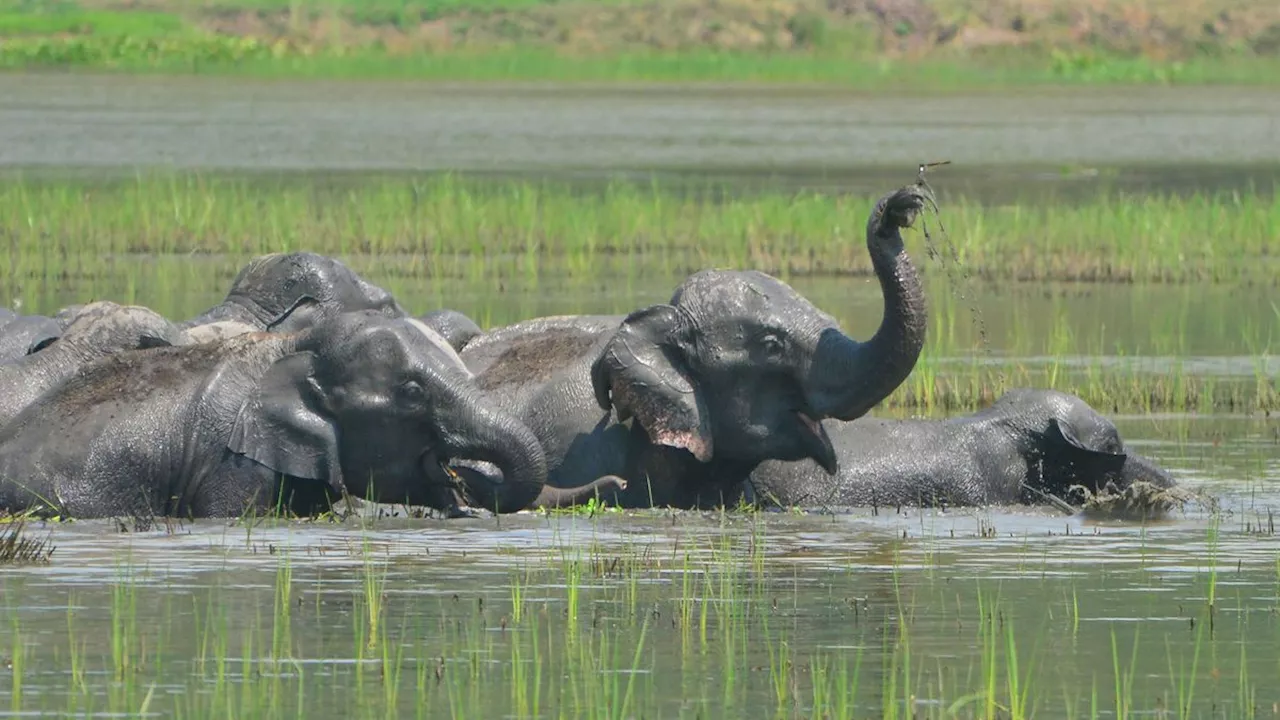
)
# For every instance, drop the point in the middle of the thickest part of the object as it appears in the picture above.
(553, 497)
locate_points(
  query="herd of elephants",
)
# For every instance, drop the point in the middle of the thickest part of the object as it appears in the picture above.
(308, 384)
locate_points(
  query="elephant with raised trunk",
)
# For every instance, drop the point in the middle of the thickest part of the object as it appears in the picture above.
(96, 330)
(683, 399)
(358, 404)
(1028, 445)
(285, 292)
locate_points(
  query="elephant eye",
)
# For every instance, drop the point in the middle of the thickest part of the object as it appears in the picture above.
(771, 344)
(412, 391)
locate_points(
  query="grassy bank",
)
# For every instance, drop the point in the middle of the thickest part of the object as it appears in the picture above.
(510, 250)
(923, 44)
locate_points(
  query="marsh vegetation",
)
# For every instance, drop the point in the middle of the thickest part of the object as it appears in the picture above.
(1154, 304)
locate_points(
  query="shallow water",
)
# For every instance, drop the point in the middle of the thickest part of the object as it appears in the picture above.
(912, 598)
(1053, 142)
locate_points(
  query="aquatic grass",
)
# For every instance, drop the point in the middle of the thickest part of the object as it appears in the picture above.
(474, 230)
(17, 547)
(452, 660)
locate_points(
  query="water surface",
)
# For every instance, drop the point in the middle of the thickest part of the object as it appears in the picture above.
(1059, 142)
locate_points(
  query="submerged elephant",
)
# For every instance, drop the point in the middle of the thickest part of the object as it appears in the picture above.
(25, 334)
(736, 369)
(285, 292)
(358, 404)
(1028, 444)
(98, 330)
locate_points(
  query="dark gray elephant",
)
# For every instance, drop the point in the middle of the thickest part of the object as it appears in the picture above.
(285, 292)
(453, 326)
(99, 329)
(1028, 444)
(358, 404)
(25, 334)
(736, 369)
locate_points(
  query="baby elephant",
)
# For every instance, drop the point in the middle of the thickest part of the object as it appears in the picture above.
(359, 403)
(1027, 444)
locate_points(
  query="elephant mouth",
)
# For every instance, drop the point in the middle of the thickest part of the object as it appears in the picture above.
(817, 442)
(446, 489)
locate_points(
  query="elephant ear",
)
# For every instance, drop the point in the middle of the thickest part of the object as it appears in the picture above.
(641, 373)
(283, 425)
(1086, 455)
(301, 314)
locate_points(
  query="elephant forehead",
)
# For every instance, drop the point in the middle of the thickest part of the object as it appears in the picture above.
(436, 346)
(123, 319)
(313, 272)
(728, 290)
(87, 315)
(728, 298)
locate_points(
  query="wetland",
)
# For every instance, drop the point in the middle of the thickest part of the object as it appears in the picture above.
(1122, 248)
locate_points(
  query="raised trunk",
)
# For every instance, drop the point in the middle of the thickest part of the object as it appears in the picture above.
(554, 497)
(480, 432)
(847, 377)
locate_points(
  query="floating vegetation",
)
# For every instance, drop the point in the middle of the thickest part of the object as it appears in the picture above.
(1139, 501)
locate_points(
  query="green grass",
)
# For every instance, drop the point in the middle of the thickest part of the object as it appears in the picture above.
(141, 53)
(506, 251)
(446, 226)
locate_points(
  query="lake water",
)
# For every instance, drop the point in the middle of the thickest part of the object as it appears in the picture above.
(1061, 141)
(687, 614)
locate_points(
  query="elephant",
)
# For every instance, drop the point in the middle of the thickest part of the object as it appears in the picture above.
(216, 331)
(25, 334)
(453, 326)
(99, 329)
(1029, 444)
(68, 315)
(359, 404)
(284, 292)
(683, 399)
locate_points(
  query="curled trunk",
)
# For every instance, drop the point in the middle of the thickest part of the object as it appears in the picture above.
(848, 377)
(478, 431)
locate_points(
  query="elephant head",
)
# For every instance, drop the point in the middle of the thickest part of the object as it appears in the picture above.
(1070, 443)
(453, 326)
(287, 292)
(740, 366)
(376, 406)
(25, 334)
(104, 327)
